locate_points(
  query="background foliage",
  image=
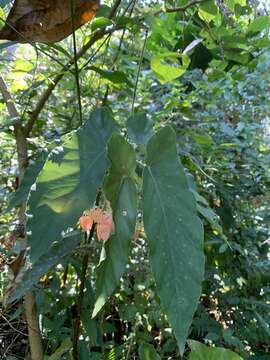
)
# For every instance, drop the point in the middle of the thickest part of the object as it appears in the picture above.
(204, 72)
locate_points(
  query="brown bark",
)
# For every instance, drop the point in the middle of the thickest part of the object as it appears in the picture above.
(35, 340)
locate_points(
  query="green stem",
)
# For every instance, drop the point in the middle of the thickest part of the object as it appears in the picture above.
(77, 79)
(138, 72)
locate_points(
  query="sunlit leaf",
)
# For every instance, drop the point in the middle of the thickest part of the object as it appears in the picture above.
(68, 182)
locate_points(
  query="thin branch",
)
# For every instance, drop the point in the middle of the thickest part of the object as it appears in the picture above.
(77, 79)
(35, 339)
(179, 9)
(18, 129)
(138, 72)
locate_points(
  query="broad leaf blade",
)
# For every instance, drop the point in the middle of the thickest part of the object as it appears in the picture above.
(174, 232)
(68, 183)
(200, 351)
(140, 128)
(122, 194)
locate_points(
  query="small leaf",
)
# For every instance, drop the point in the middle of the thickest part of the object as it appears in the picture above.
(116, 77)
(140, 128)
(259, 24)
(174, 232)
(166, 72)
(200, 351)
(100, 23)
(121, 191)
(208, 10)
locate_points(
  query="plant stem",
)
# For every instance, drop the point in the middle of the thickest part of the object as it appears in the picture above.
(138, 72)
(35, 340)
(77, 79)
(77, 323)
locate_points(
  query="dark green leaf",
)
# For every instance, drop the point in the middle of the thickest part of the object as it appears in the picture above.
(121, 191)
(140, 128)
(68, 182)
(174, 232)
(116, 77)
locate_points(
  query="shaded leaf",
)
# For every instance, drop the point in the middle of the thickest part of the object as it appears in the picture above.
(68, 182)
(200, 351)
(259, 24)
(122, 194)
(174, 232)
(140, 128)
(65, 346)
(116, 77)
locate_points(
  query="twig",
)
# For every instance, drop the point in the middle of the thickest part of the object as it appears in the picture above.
(11, 326)
(77, 79)
(179, 9)
(138, 72)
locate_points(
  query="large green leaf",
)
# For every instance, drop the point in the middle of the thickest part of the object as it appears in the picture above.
(200, 351)
(140, 128)
(174, 232)
(121, 191)
(68, 182)
(53, 256)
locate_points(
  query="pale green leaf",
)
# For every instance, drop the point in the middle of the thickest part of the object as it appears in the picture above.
(259, 24)
(169, 66)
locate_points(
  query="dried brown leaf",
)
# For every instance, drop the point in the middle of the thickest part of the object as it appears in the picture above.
(46, 21)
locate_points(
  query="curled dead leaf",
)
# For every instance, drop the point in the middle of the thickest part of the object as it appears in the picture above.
(46, 21)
